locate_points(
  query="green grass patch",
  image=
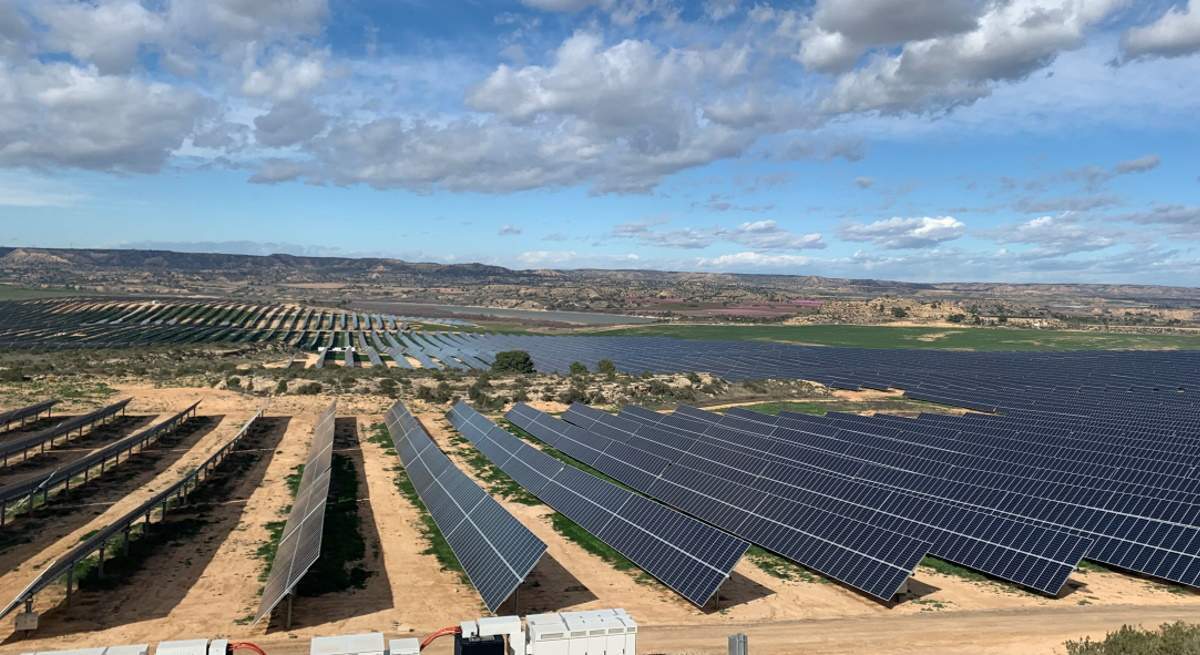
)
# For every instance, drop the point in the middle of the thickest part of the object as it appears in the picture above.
(293, 480)
(267, 550)
(958, 338)
(9, 292)
(378, 434)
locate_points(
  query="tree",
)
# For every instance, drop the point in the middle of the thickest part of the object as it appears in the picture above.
(956, 318)
(578, 368)
(607, 367)
(513, 361)
(899, 312)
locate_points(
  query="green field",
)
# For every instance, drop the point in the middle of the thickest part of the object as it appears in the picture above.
(867, 336)
(8, 292)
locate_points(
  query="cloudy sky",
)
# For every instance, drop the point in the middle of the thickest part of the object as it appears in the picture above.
(1017, 140)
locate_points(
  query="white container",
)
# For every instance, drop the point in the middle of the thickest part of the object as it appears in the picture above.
(406, 646)
(370, 643)
(546, 634)
(182, 647)
(136, 649)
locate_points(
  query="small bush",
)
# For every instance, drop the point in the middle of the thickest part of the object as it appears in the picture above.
(578, 369)
(309, 389)
(606, 367)
(513, 361)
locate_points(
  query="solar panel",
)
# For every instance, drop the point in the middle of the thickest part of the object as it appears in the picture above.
(688, 556)
(65, 565)
(1033, 556)
(46, 438)
(300, 543)
(1122, 539)
(23, 493)
(494, 549)
(22, 413)
(873, 560)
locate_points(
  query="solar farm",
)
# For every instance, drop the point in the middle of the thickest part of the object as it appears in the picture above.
(1020, 499)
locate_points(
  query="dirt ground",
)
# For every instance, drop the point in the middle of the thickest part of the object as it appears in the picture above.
(208, 584)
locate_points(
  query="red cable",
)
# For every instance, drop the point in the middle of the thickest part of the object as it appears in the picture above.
(240, 645)
(452, 630)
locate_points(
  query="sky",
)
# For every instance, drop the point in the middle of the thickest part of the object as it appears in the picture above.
(921, 140)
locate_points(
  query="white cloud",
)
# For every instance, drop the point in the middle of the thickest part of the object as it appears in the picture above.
(897, 233)
(767, 235)
(285, 76)
(289, 123)
(58, 114)
(546, 257)
(1175, 34)
(1179, 220)
(749, 259)
(1139, 165)
(1012, 40)
(621, 12)
(1055, 236)
(760, 235)
(719, 10)
(108, 34)
(840, 31)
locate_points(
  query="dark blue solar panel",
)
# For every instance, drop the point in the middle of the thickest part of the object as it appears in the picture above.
(686, 555)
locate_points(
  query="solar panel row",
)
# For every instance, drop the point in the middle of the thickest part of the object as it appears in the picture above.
(1131, 538)
(873, 560)
(686, 555)
(65, 565)
(22, 413)
(300, 543)
(1033, 556)
(46, 438)
(21, 496)
(494, 549)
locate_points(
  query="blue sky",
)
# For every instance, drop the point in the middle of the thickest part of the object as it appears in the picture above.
(954, 140)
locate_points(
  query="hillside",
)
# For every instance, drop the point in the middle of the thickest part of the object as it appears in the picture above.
(687, 294)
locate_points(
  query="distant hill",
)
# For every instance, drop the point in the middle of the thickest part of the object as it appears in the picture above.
(282, 276)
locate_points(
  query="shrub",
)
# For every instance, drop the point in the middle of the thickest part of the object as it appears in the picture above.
(578, 368)
(899, 312)
(607, 367)
(309, 389)
(513, 361)
(1175, 638)
(572, 395)
(956, 318)
(233, 382)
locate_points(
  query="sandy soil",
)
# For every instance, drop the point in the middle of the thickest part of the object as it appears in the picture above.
(207, 585)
